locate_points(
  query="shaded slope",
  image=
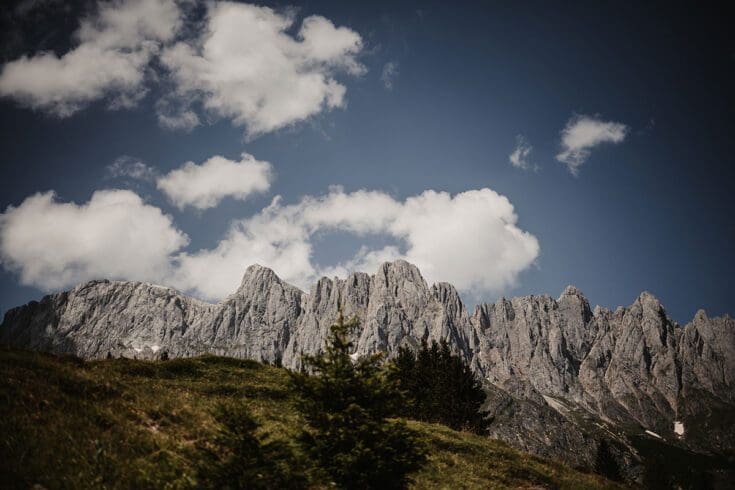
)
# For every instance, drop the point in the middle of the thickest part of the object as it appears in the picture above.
(128, 424)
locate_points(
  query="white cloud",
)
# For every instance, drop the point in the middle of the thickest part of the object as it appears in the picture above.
(470, 239)
(132, 168)
(115, 45)
(519, 157)
(173, 116)
(581, 134)
(204, 186)
(390, 72)
(245, 66)
(242, 62)
(115, 235)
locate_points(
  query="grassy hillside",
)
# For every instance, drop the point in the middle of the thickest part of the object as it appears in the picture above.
(65, 423)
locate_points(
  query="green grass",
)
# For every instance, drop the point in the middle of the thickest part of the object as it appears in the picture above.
(65, 423)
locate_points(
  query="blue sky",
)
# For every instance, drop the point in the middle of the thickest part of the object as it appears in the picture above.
(433, 97)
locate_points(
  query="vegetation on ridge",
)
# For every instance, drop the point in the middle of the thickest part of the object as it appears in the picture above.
(65, 423)
(440, 387)
(346, 405)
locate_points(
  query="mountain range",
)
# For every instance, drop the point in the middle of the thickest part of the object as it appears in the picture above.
(621, 392)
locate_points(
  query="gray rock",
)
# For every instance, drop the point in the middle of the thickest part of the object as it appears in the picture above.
(547, 427)
(634, 362)
(707, 355)
(395, 307)
(138, 320)
(707, 359)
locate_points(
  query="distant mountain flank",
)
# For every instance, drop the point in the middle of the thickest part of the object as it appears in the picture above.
(564, 380)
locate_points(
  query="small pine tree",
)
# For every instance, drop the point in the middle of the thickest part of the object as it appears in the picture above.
(440, 387)
(346, 405)
(237, 458)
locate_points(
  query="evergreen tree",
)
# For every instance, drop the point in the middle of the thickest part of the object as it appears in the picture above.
(346, 405)
(238, 459)
(440, 387)
(605, 462)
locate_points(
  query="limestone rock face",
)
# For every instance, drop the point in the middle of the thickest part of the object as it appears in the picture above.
(256, 322)
(321, 308)
(707, 396)
(635, 358)
(133, 319)
(550, 428)
(534, 338)
(622, 366)
(122, 318)
(631, 367)
(395, 307)
(707, 354)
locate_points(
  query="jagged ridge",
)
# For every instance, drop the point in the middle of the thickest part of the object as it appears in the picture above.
(631, 366)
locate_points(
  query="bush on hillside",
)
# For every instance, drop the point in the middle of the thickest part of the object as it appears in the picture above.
(238, 458)
(440, 387)
(346, 405)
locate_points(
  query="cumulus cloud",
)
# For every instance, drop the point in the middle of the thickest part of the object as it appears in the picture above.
(204, 186)
(114, 46)
(388, 75)
(243, 62)
(581, 134)
(175, 116)
(519, 157)
(132, 168)
(51, 244)
(470, 239)
(247, 67)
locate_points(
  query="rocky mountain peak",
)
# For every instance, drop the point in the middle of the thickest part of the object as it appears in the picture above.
(445, 292)
(573, 299)
(258, 280)
(648, 299)
(648, 311)
(571, 291)
(400, 272)
(600, 311)
(700, 316)
(257, 273)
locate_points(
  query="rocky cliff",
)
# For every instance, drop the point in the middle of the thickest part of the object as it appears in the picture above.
(551, 359)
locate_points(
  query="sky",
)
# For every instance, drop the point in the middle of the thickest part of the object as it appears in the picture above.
(509, 148)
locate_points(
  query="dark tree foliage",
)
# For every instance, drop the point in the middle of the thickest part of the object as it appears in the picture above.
(238, 459)
(605, 462)
(440, 387)
(346, 406)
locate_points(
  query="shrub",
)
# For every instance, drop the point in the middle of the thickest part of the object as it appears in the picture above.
(346, 406)
(237, 457)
